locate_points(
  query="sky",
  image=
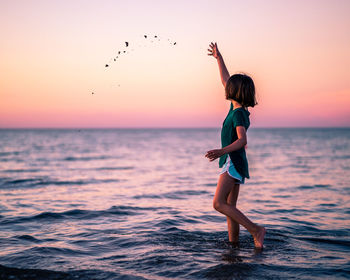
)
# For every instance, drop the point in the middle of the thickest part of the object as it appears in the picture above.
(53, 56)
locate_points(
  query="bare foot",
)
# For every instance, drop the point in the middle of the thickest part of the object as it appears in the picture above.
(259, 238)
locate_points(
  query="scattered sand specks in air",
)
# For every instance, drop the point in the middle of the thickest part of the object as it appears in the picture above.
(127, 43)
(139, 44)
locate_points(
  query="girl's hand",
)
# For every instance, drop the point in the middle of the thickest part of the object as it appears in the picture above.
(214, 51)
(214, 154)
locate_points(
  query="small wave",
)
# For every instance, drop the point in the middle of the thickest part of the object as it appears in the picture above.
(152, 196)
(210, 184)
(80, 182)
(176, 221)
(301, 227)
(85, 214)
(279, 167)
(305, 187)
(185, 178)
(29, 238)
(190, 192)
(211, 218)
(171, 195)
(260, 183)
(265, 201)
(15, 153)
(263, 155)
(340, 157)
(292, 210)
(327, 205)
(167, 223)
(282, 196)
(116, 168)
(183, 194)
(301, 166)
(339, 242)
(80, 214)
(86, 158)
(17, 160)
(21, 170)
(20, 181)
(47, 250)
(39, 182)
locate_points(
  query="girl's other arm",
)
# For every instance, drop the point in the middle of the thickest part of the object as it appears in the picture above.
(238, 144)
(214, 51)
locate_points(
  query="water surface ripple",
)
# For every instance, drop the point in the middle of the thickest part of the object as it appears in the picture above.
(137, 204)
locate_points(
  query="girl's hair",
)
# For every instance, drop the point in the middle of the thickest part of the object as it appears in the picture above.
(240, 87)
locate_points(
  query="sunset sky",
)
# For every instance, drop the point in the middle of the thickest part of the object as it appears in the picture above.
(53, 56)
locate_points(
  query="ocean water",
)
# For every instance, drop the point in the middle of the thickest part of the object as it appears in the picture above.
(137, 204)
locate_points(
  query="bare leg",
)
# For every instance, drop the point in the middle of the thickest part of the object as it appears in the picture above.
(232, 225)
(224, 187)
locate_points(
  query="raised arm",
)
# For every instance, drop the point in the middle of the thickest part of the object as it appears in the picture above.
(214, 51)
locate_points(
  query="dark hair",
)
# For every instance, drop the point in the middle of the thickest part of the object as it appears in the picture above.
(240, 87)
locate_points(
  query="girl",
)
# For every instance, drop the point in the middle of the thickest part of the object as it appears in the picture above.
(240, 91)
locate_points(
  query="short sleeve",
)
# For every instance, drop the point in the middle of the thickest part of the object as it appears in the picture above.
(238, 119)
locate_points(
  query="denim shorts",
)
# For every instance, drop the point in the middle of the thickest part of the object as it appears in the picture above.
(231, 170)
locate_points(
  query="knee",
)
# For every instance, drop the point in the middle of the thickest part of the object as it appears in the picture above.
(217, 205)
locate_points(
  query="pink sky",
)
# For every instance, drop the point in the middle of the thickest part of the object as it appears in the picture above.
(53, 55)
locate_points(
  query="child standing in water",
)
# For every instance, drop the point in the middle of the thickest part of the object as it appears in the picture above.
(240, 91)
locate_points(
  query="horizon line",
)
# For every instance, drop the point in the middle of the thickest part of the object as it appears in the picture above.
(150, 127)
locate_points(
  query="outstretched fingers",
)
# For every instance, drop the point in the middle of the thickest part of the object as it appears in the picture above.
(213, 49)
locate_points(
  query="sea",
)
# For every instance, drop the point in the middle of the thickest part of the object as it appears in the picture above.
(137, 204)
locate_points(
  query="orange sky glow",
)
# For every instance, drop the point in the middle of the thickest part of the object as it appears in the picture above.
(53, 56)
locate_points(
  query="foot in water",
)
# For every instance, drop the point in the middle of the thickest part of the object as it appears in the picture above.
(259, 238)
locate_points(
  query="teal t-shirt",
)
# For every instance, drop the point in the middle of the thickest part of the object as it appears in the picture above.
(234, 118)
